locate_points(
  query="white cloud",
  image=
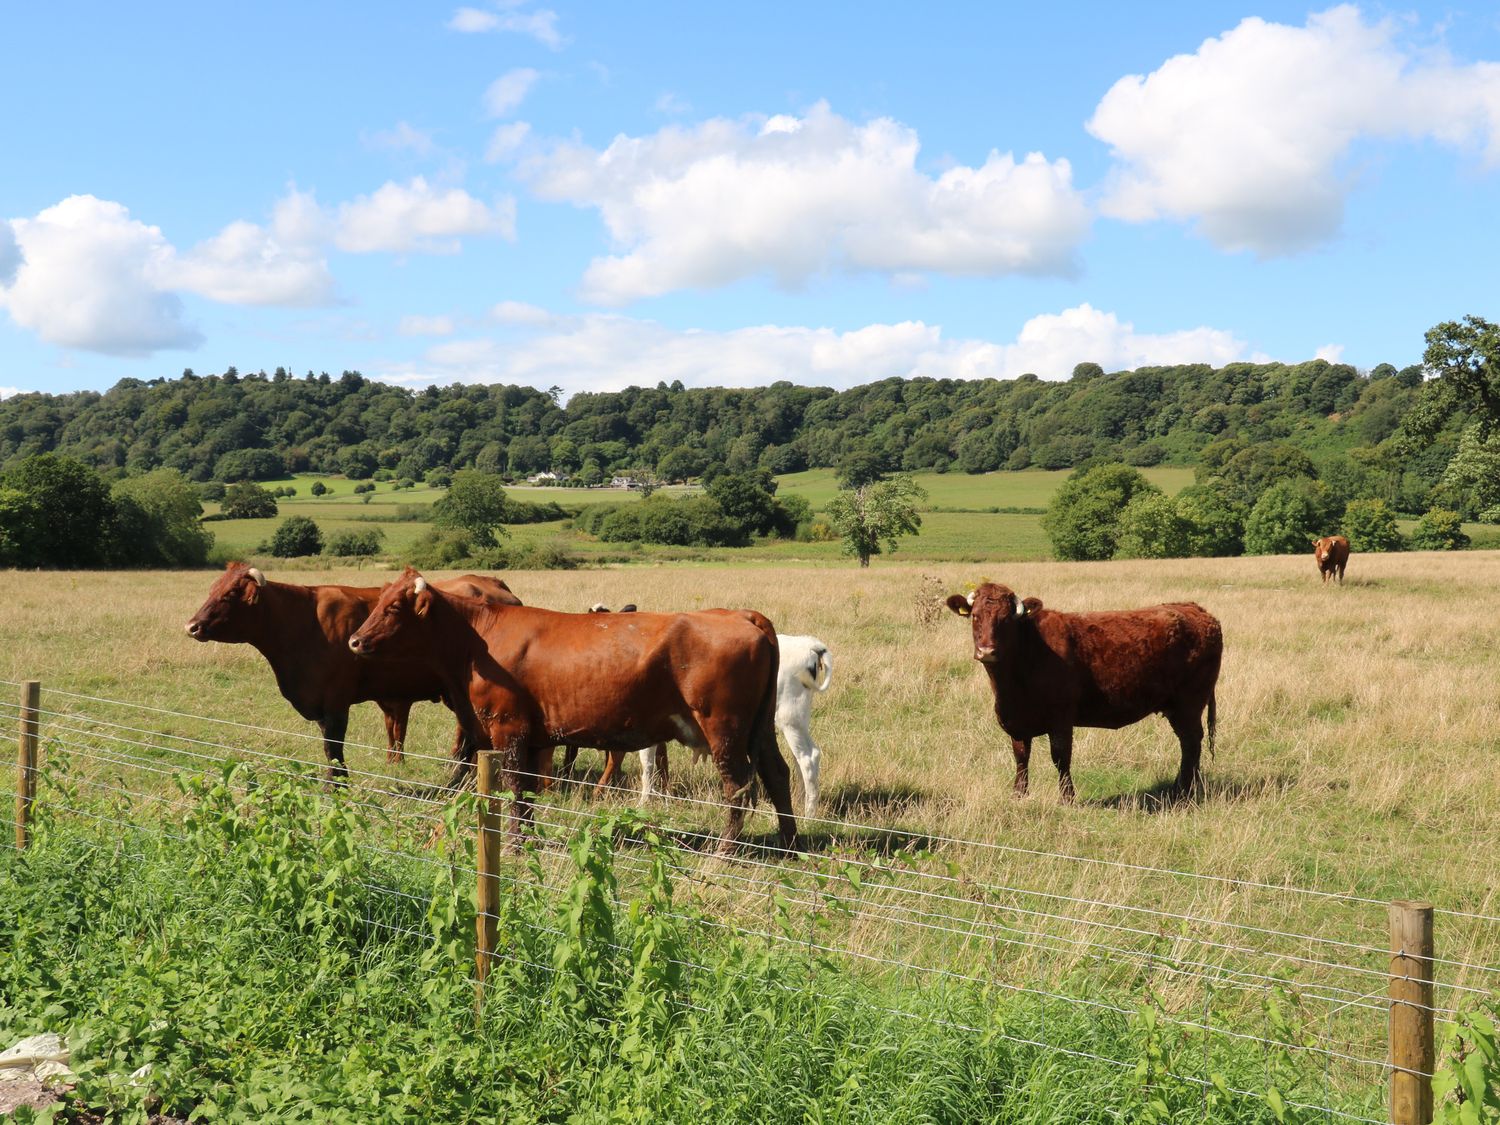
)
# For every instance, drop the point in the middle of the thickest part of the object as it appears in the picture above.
(673, 104)
(404, 137)
(795, 197)
(418, 217)
(540, 24)
(92, 278)
(506, 141)
(10, 254)
(1249, 137)
(7, 392)
(509, 91)
(1333, 353)
(244, 264)
(608, 351)
(426, 325)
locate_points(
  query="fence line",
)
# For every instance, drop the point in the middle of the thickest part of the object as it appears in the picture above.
(989, 909)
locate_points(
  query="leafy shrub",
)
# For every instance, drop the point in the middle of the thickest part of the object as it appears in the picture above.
(356, 544)
(1440, 530)
(1083, 520)
(1286, 520)
(211, 491)
(1151, 528)
(296, 537)
(249, 464)
(319, 488)
(440, 478)
(363, 487)
(1215, 524)
(1371, 526)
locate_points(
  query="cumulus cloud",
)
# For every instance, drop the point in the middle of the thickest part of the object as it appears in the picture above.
(609, 351)
(92, 277)
(7, 392)
(417, 216)
(245, 264)
(540, 24)
(797, 196)
(508, 91)
(1248, 138)
(10, 254)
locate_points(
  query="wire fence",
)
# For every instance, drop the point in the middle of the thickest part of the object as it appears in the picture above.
(1232, 964)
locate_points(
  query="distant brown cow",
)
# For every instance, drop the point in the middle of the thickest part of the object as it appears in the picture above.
(534, 679)
(1051, 672)
(1332, 554)
(303, 632)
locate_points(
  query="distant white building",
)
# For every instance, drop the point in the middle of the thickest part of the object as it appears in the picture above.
(547, 477)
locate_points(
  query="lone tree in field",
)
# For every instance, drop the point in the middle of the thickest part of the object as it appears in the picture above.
(875, 514)
(475, 503)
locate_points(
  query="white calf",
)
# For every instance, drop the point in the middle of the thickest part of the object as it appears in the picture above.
(806, 667)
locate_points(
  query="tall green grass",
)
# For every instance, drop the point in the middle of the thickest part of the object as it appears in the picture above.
(278, 954)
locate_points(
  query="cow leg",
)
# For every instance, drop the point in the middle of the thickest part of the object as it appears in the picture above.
(612, 760)
(570, 755)
(1341, 574)
(1188, 727)
(1021, 748)
(653, 771)
(334, 727)
(517, 765)
(808, 757)
(397, 715)
(736, 776)
(776, 776)
(1061, 741)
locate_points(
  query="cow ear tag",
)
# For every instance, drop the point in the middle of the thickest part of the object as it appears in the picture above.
(961, 605)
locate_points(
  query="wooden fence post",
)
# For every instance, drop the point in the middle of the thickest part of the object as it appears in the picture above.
(26, 743)
(487, 853)
(1413, 1055)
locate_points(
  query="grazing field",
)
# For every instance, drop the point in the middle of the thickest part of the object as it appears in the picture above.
(1356, 757)
(979, 492)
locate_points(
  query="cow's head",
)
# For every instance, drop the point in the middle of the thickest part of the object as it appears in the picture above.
(229, 613)
(996, 615)
(391, 626)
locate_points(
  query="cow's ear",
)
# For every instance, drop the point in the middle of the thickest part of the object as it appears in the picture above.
(960, 605)
(250, 586)
(421, 600)
(1031, 605)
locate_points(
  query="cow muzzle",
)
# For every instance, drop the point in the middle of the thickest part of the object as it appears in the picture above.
(195, 630)
(985, 654)
(357, 646)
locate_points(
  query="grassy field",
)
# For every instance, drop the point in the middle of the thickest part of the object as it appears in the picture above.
(978, 493)
(1356, 756)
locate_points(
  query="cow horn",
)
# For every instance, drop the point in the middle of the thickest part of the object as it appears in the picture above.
(971, 597)
(420, 586)
(1020, 608)
(254, 572)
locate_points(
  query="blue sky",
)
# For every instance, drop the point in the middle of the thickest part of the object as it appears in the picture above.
(597, 195)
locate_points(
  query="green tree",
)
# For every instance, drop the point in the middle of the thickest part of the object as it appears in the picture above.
(57, 512)
(1464, 359)
(295, 537)
(248, 501)
(1152, 528)
(860, 467)
(747, 500)
(1440, 530)
(1083, 520)
(876, 514)
(1215, 524)
(1370, 525)
(171, 511)
(1247, 474)
(677, 465)
(1286, 520)
(475, 503)
(319, 488)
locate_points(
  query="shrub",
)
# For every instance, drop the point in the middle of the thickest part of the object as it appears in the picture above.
(295, 537)
(1215, 524)
(356, 544)
(1083, 520)
(440, 478)
(1286, 520)
(1151, 528)
(1371, 526)
(1440, 530)
(475, 502)
(363, 487)
(249, 464)
(319, 488)
(212, 490)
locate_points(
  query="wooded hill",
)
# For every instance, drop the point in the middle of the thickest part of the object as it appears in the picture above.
(233, 426)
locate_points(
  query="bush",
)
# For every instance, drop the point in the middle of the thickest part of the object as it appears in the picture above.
(1440, 530)
(1151, 528)
(439, 478)
(441, 548)
(406, 482)
(296, 537)
(319, 488)
(249, 464)
(1083, 520)
(363, 487)
(475, 502)
(1215, 524)
(356, 544)
(212, 490)
(1371, 526)
(248, 501)
(1286, 520)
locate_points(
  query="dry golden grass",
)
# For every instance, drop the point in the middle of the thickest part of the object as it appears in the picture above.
(1356, 746)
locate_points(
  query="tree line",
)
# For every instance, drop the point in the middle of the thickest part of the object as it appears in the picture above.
(231, 427)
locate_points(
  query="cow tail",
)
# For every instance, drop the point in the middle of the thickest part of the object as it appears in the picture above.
(823, 673)
(1213, 720)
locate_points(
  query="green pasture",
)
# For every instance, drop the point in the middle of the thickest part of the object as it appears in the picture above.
(979, 492)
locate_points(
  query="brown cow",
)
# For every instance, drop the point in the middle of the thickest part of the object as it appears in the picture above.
(1332, 555)
(1051, 672)
(303, 632)
(534, 679)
